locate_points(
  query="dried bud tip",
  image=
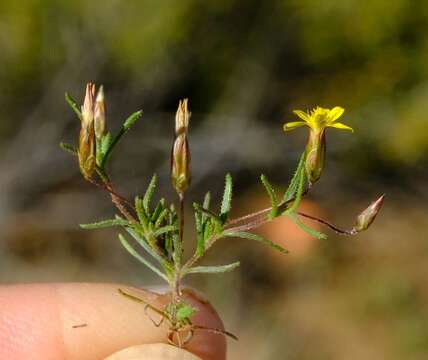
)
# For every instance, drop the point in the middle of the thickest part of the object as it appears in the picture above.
(99, 114)
(182, 117)
(88, 105)
(365, 219)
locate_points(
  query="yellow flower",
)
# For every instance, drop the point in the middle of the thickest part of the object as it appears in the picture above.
(318, 119)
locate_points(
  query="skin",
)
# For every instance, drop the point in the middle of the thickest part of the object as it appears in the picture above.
(36, 322)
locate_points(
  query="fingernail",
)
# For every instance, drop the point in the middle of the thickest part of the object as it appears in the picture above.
(153, 352)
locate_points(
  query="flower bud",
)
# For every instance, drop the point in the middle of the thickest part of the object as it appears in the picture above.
(88, 106)
(99, 114)
(180, 154)
(86, 150)
(315, 155)
(365, 219)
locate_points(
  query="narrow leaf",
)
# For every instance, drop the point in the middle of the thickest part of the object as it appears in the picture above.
(158, 209)
(212, 269)
(68, 148)
(105, 224)
(141, 213)
(299, 192)
(105, 143)
(227, 198)
(124, 129)
(314, 233)
(145, 245)
(162, 216)
(271, 192)
(141, 259)
(255, 237)
(165, 229)
(207, 201)
(292, 188)
(149, 194)
(208, 213)
(131, 120)
(73, 105)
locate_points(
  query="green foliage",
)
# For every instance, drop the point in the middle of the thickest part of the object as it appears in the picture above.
(226, 203)
(131, 120)
(165, 229)
(183, 311)
(105, 224)
(149, 194)
(273, 199)
(68, 148)
(73, 104)
(255, 237)
(213, 269)
(140, 258)
(208, 224)
(314, 233)
(292, 188)
(300, 183)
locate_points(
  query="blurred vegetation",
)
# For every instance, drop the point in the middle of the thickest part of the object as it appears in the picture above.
(244, 66)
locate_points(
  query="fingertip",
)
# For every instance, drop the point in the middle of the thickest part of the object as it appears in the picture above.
(91, 321)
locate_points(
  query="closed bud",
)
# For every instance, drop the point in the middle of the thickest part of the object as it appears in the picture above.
(365, 219)
(315, 155)
(86, 150)
(100, 114)
(88, 106)
(180, 154)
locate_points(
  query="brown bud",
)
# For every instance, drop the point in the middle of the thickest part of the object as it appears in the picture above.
(315, 155)
(86, 150)
(99, 114)
(180, 154)
(365, 219)
(88, 106)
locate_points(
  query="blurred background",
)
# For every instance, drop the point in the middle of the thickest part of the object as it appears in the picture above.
(244, 66)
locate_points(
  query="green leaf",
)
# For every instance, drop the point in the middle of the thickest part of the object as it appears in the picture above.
(125, 127)
(141, 213)
(132, 119)
(105, 224)
(227, 198)
(208, 213)
(185, 311)
(292, 188)
(299, 192)
(200, 241)
(165, 229)
(255, 237)
(271, 192)
(145, 245)
(208, 229)
(158, 209)
(206, 205)
(141, 259)
(212, 269)
(162, 216)
(73, 105)
(149, 194)
(314, 233)
(68, 148)
(105, 143)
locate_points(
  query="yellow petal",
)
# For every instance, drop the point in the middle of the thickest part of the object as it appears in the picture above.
(341, 126)
(301, 114)
(293, 125)
(335, 113)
